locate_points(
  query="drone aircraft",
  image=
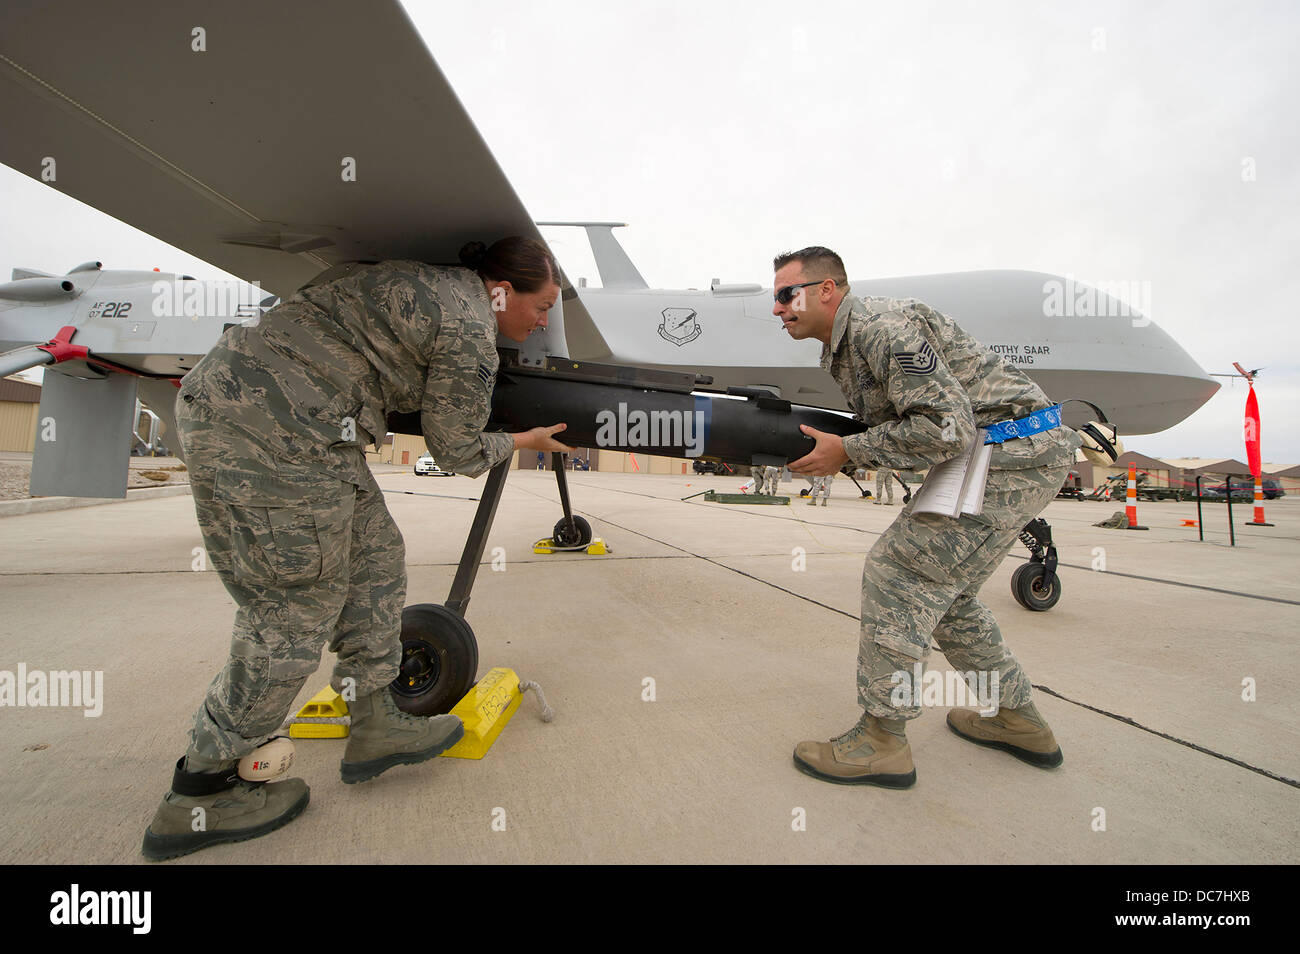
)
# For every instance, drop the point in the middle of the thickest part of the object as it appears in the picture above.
(353, 147)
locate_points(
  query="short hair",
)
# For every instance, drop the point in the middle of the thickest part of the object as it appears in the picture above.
(816, 259)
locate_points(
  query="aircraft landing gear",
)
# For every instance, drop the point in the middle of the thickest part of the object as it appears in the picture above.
(571, 536)
(439, 660)
(439, 651)
(572, 531)
(1035, 585)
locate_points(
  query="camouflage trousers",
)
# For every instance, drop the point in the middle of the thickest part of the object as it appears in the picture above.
(310, 560)
(921, 580)
(885, 482)
(821, 486)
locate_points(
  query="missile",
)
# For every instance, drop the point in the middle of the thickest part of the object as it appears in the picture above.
(639, 410)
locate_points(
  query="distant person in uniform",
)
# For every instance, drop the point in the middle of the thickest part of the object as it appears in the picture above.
(273, 421)
(541, 460)
(923, 385)
(771, 476)
(822, 486)
(884, 483)
(758, 475)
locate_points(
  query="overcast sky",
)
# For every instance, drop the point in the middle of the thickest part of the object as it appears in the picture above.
(1112, 142)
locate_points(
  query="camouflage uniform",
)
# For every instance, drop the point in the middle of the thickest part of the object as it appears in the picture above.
(821, 485)
(273, 421)
(770, 477)
(922, 385)
(759, 476)
(884, 484)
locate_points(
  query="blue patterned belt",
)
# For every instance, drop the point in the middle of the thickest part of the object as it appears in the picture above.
(1035, 423)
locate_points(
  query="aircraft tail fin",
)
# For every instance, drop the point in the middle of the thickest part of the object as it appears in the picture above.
(616, 269)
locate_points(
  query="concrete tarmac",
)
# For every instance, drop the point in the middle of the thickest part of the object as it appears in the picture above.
(1140, 669)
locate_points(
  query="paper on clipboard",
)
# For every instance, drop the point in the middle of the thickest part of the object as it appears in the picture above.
(957, 486)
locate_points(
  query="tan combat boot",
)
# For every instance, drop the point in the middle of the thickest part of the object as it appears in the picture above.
(1022, 732)
(868, 754)
(383, 736)
(205, 809)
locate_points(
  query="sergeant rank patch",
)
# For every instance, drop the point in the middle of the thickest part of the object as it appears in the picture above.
(921, 361)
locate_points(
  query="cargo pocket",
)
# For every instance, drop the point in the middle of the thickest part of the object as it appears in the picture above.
(286, 530)
(941, 549)
(1014, 497)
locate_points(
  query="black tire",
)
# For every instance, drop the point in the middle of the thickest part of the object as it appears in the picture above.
(1015, 582)
(439, 660)
(1028, 589)
(803, 492)
(565, 537)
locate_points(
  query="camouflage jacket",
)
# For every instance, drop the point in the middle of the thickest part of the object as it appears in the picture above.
(316, 377)
(922, 385)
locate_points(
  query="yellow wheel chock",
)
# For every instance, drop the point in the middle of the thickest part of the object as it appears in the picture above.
(485, 710)
(310, 722)
(596, 547)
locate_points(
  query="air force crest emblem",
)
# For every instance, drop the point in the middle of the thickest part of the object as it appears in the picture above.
(679, 325)
(921, 361)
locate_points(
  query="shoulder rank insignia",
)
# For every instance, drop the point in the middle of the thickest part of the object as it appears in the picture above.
(485, 375)
(921, 361)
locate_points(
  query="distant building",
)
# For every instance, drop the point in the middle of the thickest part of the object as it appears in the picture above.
(1288, 477)
(19, 408)
(1159, 473)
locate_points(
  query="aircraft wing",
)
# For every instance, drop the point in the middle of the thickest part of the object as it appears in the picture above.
(272, 140)
(240, 152)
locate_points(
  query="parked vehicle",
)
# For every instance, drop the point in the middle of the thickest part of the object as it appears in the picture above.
(1244, 489)
(1072, 489)
(426, 466)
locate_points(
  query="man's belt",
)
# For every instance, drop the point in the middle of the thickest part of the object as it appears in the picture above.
(1035, 423)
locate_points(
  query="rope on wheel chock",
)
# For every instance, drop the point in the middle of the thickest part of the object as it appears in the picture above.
(548, 714)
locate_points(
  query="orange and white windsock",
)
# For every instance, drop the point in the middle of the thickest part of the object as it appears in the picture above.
(1132, 496)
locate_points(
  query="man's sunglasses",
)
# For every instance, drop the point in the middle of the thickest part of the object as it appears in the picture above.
(785, 295)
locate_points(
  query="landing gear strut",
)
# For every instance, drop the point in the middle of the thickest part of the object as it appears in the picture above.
(572, 531)
(439, 651)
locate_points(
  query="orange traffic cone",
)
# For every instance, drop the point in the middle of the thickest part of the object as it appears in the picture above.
(1259, 504)
(1131, 508)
